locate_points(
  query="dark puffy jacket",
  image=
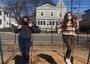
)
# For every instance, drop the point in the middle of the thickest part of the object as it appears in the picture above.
(24, 32)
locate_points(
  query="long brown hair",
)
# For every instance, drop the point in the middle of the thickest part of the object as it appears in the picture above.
(65, 21)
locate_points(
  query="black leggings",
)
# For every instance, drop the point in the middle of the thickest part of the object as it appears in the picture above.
(69, 41)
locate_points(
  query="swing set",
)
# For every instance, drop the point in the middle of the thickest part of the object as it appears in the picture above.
(88, 60)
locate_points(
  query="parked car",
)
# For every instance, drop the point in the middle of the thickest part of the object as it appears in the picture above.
(35, 29)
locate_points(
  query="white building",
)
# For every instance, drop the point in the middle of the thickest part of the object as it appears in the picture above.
(5, 19)
(47, 15)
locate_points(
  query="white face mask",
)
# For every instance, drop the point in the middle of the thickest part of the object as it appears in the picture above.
(70, 17)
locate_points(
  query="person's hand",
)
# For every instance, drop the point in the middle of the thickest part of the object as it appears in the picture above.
(30, 25)
(20, 26)
(59, 31)
(15, 25)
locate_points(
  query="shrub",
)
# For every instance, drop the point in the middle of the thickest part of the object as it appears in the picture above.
(84, 26)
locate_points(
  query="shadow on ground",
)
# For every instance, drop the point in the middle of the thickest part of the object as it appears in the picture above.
(48, 58)
(18, 59)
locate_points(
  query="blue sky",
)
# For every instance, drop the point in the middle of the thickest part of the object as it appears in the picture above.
(84, 5)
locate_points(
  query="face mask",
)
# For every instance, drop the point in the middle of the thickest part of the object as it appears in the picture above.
(25, 23)
(70, 17)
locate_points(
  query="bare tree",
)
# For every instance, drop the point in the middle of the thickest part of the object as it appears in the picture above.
(18, 8)
(23, 7)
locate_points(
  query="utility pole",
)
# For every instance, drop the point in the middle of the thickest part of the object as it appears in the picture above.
(73, 46)
(88, 58)
(71, 5)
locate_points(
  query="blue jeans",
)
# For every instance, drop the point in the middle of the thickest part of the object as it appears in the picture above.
(24, 45)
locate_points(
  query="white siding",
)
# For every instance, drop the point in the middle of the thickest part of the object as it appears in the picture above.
(6, 20)
(47, 17)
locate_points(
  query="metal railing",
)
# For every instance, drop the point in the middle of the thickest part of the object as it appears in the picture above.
(42, 38)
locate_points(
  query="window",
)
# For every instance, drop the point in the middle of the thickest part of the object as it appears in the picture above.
(7, 23)
(51, 13)
(50, 23)
(0, 12)
(53, 22)
(41, 13)
(44, 22)
(0, 21)
(60, 14)
(41, 22)
(38, 22)
(7, 15)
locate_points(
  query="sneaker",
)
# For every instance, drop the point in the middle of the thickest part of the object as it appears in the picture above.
(68, 61)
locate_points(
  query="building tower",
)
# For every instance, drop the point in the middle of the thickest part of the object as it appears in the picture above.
(62, 8)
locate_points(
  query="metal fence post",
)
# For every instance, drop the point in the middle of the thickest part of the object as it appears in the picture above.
(88, 58)
(1, 52)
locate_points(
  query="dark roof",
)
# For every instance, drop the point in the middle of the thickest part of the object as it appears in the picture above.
(87, 11)
(42, 2)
